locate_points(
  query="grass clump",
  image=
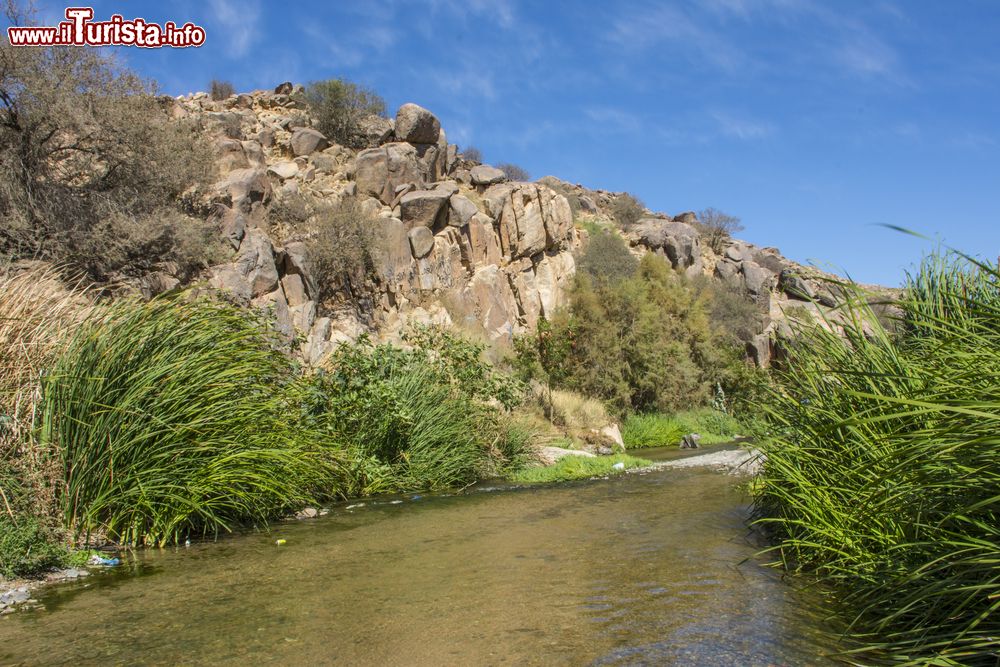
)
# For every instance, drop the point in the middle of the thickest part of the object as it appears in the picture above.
(882, 472)
(578, 467)
(651, 430)
(662, 430)
(169, 420)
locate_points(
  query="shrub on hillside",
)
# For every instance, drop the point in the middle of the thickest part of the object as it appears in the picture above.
(342, 240)
(472, 153)
(627, 210)
(221, 90)
(74, 157)
(339, 106)
(607, 258)
(717, 227)
(514, 172)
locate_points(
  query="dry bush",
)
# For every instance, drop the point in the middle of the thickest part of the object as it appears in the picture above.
(221, 90)
(342, 240)
(514, 172)
(472, 154)
(627, 210)
(579, 412)
(717, 227)
(83, 139)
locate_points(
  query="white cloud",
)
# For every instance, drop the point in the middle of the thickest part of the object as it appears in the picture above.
(238, 22)
(740, 127)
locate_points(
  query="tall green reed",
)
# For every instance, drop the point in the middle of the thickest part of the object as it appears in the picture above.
(171, 419)
(882, 477)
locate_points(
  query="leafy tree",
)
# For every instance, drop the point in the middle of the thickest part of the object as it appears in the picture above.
(645, 342)
(339, 106)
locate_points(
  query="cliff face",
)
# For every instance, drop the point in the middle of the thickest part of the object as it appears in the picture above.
(458, 244)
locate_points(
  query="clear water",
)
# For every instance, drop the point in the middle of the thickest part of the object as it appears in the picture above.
(638, 570)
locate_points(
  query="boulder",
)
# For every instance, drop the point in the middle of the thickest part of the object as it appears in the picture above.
(381, 170)
(421, 241)
(756, 278)
(255, 262)
(284, 88)
(306, 141)
(424, 208)
(248, 186)
(416, 125)
(460, 210)
(375, 130)
(687, 217)
(678, 241)
(760, 350)
(483, 240)
(394, 258)
(229, 155)
(485, 175)
(795, 286)
(284, 170)
(531, 218)
(727, 270)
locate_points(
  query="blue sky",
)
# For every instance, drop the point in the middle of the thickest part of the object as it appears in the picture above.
(814, 121)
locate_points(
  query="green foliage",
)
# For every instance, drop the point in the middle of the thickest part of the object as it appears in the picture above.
(461, 363)
(660, 430)
(713, 426)
(417, 418)
(170, 419)
(651, 430)
(883, 467)
(514, 172)
(221, 90)
(578, 467)
(627, 210)
(642, 343)
(607, 258)
(26, 547)
(339, 106)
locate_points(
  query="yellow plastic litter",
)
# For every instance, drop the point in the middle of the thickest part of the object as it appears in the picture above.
(280, 542)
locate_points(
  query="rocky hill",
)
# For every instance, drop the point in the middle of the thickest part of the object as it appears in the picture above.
(459, 245)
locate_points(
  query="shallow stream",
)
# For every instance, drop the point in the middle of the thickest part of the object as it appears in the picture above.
(641, 569)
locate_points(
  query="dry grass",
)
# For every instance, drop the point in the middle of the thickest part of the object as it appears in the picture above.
(37, 314)
(578, 412)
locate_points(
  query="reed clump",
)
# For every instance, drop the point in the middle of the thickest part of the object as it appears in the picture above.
(882, 477)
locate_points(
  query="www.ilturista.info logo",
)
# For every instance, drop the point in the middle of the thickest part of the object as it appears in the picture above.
(79, 30)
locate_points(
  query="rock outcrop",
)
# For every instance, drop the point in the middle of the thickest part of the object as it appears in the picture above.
(457, 243)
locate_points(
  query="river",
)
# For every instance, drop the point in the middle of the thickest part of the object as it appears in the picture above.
(641, 569)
